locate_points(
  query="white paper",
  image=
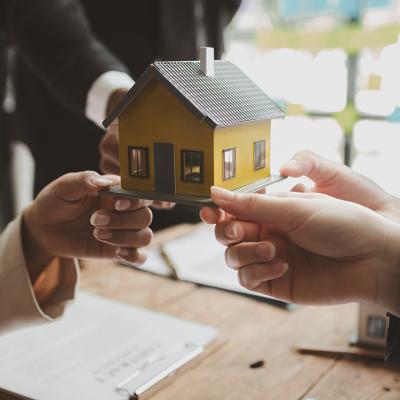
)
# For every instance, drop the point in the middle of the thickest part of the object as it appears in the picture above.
(155, 263)
(92, 349)
(199, 258)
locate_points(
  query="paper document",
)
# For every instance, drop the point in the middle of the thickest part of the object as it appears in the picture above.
(100, 349)
(198, 257)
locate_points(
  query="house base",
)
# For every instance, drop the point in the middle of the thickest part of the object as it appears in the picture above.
(194, 201)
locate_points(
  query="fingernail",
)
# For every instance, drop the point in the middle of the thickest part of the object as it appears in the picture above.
(98, 219)
(102, 234)
(122, 204)
(292, 164)
(231, 231)
(222, 194)
(285, 267)
(101, 181)
(124, 252)
(265, 251)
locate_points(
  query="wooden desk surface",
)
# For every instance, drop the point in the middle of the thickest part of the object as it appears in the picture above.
(254, 331)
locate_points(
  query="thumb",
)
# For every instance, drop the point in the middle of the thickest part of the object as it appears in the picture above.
(76, 185)
(311, 165)
(284, 211)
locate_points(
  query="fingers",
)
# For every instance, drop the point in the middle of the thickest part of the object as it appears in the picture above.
(230, 232)
(259, 263)
(124, 238)
(123, 223)
(75, 186)
(115, 220)
(109, 150)
(123, 204)
(131, 256)
(249, 253)
(318, 169)
(299, 188)
(285, 211)
(213, 216)
(126, 227)
(163, 205)
(253, 275)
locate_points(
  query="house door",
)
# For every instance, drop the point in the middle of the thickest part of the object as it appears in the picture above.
(164, 167)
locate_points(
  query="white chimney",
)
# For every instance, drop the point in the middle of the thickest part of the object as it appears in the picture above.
(207, 61)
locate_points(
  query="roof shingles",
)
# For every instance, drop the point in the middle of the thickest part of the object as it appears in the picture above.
(228, 98)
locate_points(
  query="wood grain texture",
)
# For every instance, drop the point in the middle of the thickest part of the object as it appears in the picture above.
(253, 331)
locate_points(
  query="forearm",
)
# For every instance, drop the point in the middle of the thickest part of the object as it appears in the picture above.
(37, 257)
(21, 302)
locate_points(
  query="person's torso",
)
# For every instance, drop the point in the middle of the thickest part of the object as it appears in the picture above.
(138, 32)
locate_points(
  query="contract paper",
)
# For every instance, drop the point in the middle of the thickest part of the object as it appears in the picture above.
(96, 351)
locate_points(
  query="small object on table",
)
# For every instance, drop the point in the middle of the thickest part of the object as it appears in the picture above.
(342, 351)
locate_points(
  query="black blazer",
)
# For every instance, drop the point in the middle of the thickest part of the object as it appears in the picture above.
(3, 74)
(65, 44)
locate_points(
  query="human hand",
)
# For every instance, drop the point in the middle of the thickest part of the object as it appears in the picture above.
(339, 181)
(311, 248)
(58, 222)
(109, 150)
(109, 143)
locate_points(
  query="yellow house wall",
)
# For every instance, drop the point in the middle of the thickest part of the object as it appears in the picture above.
(156, 115)
(242, 137)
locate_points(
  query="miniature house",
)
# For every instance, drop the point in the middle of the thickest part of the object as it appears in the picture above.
(187, 125)
(372, 326)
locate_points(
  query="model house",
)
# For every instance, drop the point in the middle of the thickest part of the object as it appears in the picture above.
(187, 125)
(372, 326)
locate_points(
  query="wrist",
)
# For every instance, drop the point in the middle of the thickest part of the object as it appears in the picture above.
(115, 97)
(37, 256)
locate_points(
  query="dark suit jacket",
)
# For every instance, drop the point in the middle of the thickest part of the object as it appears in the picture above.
(4, 153)
(65, 44)
(6, 211)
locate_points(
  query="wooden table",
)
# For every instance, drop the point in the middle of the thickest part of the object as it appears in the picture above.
(254, 331)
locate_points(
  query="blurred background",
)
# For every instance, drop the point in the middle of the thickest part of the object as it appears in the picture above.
(334, 66)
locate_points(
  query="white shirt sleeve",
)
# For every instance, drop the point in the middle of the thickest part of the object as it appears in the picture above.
(100, 92)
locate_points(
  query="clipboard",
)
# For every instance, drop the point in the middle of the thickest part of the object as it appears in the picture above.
(136, 385)
(193, 255)
(127, 371)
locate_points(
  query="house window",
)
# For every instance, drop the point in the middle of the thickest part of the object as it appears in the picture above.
(192, 166)
(138, 161)
(229, 163)
(259, 154)
(376, 327)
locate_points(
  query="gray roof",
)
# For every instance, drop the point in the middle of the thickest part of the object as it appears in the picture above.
(228, 98)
